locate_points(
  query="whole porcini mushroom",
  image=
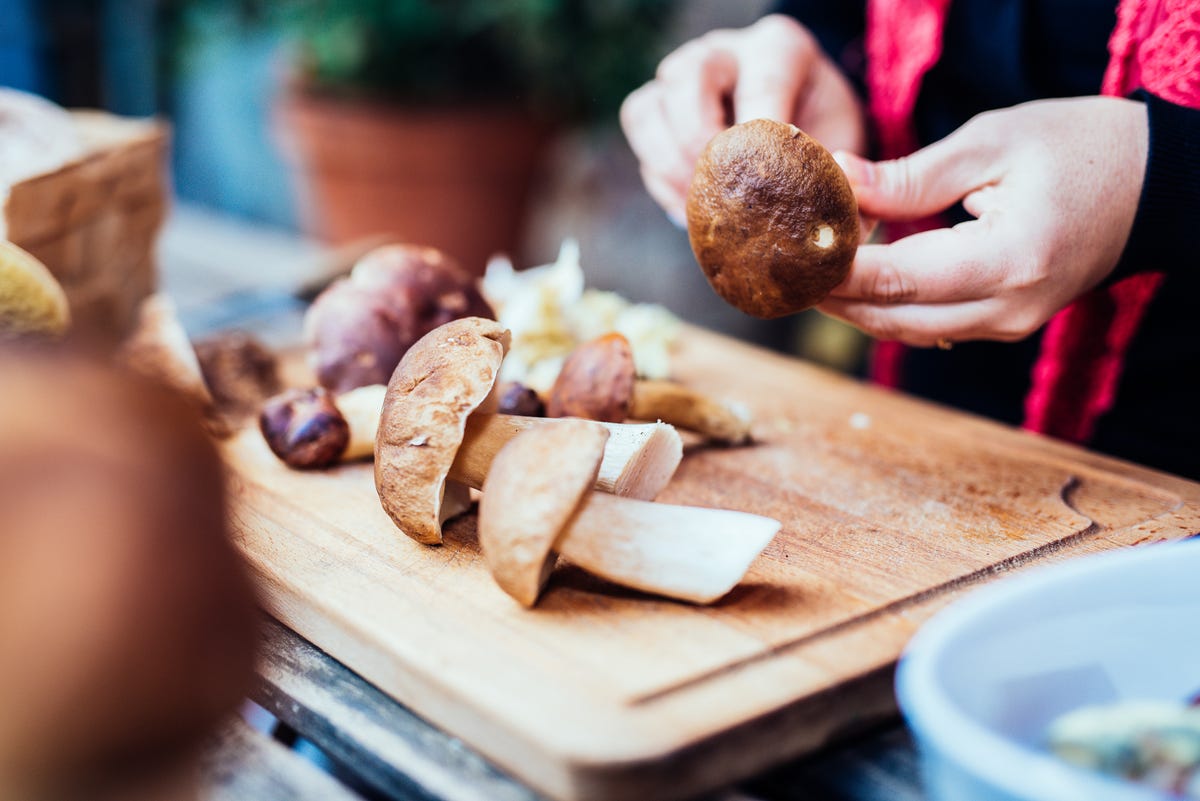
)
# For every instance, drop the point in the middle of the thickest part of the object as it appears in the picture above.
(538, 502)
(598, 381)
(360, 326)
(437, 433)
(771, 218)
(313, 428)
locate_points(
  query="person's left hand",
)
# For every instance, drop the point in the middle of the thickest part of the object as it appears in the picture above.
(1053, 185)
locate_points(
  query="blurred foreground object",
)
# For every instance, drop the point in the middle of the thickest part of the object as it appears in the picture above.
(127, 619)
(36, 136)
(31, 301)
(1149, 741)
(89, 206)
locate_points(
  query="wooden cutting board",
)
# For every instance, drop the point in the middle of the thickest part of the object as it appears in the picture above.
(890, 508)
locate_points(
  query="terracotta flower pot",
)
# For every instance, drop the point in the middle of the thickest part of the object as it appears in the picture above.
(457, 179)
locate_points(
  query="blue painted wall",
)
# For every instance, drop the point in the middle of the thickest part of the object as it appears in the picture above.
(20, 42)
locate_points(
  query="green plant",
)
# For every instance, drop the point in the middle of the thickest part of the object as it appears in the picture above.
(572, 59)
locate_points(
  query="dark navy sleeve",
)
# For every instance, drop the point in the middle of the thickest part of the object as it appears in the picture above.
(839, 26)
(1164, 231)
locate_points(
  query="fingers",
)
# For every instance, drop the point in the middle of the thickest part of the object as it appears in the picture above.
(924, 183)
(924, 325)
(670, 120)
(966, 282)
(694, 102)
(665, 169)
(768, 87)
(940, 266)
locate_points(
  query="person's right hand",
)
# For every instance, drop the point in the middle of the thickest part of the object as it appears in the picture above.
(774, 68)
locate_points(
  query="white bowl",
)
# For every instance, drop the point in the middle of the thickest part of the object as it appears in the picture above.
(981, 681)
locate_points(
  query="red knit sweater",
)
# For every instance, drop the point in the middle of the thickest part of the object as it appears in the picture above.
(1156, 46)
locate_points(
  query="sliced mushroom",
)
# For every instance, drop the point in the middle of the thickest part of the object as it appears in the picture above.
(537, 501)
(430, 430)
(518, 543)
(598, 381)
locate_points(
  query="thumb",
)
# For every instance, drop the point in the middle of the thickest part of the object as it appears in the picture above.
(909, 188)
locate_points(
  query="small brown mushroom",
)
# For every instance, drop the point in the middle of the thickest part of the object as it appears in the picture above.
(433, 434)
(304, 428)
(598, 381)
(360, 326)
(537, 502)
(314, 429)
(516, 398)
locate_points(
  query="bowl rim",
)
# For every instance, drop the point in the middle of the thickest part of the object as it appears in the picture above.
(938, 721)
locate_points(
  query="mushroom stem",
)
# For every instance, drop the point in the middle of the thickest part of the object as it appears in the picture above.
(361, 408)
(688, 409)
(638, 460)
(690, 553)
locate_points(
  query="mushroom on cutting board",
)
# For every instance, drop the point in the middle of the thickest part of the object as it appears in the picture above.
(435, 430)
(538, 502)
(360, 326)
(313, 428)
(599, 381)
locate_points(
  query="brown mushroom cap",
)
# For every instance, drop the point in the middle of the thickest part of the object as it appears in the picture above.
(536, 482)
(442, 379)
(771, 218)
(596, 381)
(361, 326)
(305, 428)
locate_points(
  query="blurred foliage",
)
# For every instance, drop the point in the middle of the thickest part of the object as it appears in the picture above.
(567, 59)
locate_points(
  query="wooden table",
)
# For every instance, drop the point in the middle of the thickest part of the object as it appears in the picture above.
(381, 750)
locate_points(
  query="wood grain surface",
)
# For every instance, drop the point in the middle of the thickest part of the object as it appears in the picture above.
(890, 508)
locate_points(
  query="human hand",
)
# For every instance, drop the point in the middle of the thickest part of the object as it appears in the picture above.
(773, 68)
(1053, 185)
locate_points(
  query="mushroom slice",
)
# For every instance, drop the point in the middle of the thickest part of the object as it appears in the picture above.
(689, 553)
(518, 543)
(436, 386)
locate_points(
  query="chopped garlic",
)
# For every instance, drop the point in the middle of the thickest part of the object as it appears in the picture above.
(549, 311)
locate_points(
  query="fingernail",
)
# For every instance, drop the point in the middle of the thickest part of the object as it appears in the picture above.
(858, 170)
(678, 219)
